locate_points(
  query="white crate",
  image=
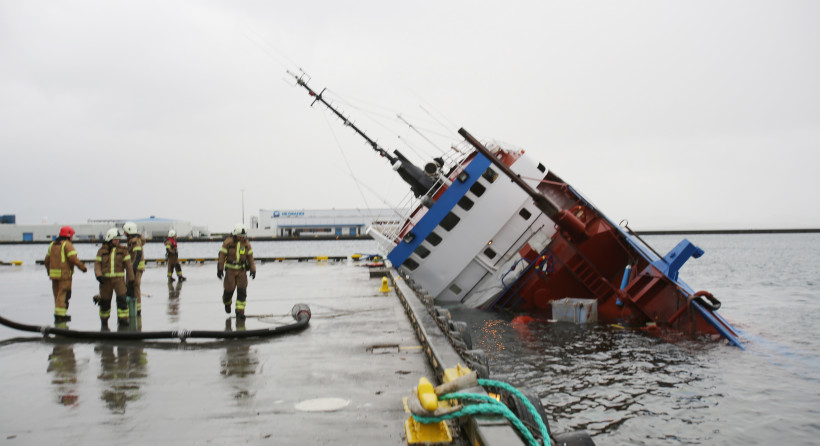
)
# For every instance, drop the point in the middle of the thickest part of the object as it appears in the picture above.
(579, 311)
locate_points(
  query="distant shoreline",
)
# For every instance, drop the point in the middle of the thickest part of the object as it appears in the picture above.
(730, 231)
(221, 237)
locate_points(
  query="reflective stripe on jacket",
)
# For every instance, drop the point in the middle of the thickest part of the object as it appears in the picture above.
(60, 262)
(135, 245)
(112, 262)
(236, 254)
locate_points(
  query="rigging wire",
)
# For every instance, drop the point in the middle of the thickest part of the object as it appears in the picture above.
(437, 120)
(359, 183)
(413, 128)
(420, 153)
(381, 198)
(347, 163)
(257, 37)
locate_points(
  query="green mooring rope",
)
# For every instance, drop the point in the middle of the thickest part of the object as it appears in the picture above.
(535, 415)
(490, 407)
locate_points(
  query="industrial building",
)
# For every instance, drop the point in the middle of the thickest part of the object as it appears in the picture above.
(300, 223)
(271, 223)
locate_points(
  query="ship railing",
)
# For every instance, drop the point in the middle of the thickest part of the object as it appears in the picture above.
(403, 210)
(408, 205)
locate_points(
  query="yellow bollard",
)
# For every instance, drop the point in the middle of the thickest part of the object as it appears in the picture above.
(385, 287)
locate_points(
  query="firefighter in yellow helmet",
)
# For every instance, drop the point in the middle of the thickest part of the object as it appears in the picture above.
(113, 269)
(172, 255)
(235, 257)
(60, 261)
(135, 244)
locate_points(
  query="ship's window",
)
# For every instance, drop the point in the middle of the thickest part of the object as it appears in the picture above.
(434, 239)
(465, 203)
(477, 189)
(455, 289)
(525, 214)
(449, 221)
(410, 264)
(490, 175)
(422, 252)
(541, 167)
(489, 253)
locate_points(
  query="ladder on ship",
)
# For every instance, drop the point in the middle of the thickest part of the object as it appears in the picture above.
(577, 265)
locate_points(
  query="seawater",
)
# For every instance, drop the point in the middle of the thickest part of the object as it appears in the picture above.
(625, 387)
(622, 386)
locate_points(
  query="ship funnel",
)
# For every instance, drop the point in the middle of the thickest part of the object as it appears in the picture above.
(419, 182)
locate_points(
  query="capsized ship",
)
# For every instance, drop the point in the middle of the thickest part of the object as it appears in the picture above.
(489, 227)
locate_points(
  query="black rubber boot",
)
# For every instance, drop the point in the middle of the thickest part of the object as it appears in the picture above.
(241, 296)
(227, 296)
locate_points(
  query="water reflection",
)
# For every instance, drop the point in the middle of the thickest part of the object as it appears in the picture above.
(124, 369)
(601, 379)
(239, 363)
(173, 300)
(63, 366)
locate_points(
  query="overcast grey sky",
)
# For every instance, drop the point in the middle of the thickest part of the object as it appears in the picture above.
(671, 114)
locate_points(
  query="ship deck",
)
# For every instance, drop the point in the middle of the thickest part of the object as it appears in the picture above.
(340, 381)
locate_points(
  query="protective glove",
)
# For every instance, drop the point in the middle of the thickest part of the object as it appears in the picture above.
(129, 289)
(253, 274)
(96, 299)
(219, 273)
(99, 279)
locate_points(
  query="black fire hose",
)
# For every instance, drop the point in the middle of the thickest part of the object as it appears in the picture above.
(300, 312)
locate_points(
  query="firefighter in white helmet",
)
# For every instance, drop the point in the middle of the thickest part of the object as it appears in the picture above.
(113, 269)
(135, 245)
(172, 255)
(236, 257)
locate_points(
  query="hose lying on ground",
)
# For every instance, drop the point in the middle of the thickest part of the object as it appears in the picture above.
(300, 312)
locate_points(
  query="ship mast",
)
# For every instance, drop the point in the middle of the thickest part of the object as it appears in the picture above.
(419, 182)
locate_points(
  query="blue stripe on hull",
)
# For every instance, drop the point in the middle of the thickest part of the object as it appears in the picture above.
(439, 210)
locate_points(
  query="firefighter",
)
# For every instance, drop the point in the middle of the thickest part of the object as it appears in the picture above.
(172, 254)
(235, 257)
(113, 269)
(135, 244)
(60, 261)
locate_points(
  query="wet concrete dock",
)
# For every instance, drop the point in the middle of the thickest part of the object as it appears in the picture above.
(340, 381)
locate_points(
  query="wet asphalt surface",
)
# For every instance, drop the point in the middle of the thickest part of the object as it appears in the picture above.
(340, 381)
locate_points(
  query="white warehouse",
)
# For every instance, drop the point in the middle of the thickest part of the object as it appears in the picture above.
(320, 222)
